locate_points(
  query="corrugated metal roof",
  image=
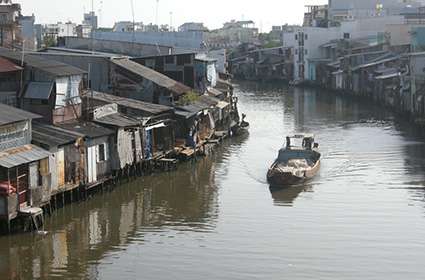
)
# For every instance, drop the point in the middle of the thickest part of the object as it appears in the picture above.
(39, 90)
(153, 76)
(22, 155)
(376, 63)
(204, 102)
(8, 66)
(10, 114)
(52, 67)
(52, 136)
(118, 120)
(205, 58)
(87, 129)
(154, 109)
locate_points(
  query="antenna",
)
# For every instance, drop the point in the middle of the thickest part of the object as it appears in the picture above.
(134, 23)
(157, 12)
(92, 26)
(171, 21)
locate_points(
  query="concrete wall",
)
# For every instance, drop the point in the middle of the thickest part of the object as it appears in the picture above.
(15, 135)
(117, 45)
(188, 40)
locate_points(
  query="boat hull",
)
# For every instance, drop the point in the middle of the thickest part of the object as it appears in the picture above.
(282, 179)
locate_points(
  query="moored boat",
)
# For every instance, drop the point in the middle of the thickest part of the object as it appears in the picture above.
(242, 127)
(295, 164)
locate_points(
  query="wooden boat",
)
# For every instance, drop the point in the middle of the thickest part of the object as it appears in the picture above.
(295, 164)
(242, 127)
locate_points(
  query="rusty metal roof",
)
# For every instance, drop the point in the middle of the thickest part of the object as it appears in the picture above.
(157, 78)
(7, 66)
(10, 114)
(22, 155)
(54, 68)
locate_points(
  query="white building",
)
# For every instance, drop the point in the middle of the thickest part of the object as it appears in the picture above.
(192, 26)
(307, 40)
(341, 10)
(67, 29)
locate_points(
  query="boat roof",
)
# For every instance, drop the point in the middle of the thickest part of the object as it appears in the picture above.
(302, 136)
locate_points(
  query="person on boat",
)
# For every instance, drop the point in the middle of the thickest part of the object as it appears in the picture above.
(307, 143)
(288, 142)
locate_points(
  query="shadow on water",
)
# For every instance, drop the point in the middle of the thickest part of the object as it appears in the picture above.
(287, 196)
(81, 235)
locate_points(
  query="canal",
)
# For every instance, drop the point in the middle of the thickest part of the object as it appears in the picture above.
(363, 217)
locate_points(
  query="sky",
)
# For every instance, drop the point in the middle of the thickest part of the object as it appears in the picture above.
(264, 13)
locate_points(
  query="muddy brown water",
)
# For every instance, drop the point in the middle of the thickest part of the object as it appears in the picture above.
(363, 217)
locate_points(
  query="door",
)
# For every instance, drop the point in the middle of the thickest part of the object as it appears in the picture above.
(60, 164)
(22, 185)
(189, 76)
(91, 164)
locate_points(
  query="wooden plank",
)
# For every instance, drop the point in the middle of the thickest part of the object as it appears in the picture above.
(60, 164)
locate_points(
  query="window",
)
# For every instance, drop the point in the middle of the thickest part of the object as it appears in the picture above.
(169, 59)
(346, 35)
(296, 37)
(184, 59)
(101, 154)
(306, 51)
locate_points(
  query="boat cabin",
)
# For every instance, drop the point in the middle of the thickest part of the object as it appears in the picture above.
(302, 141)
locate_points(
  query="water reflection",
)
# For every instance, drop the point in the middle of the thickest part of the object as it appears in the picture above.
(287, 196)
(80, 235)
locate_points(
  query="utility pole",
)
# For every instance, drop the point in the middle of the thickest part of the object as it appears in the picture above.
(90, 65)
(22, 70)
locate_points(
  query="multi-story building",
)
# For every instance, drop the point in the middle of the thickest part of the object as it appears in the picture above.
(9, 24)
(27, 30)
(67, 29)
(341, 10)
(306, 41)
(192, 26)
(91, 20)
(233, 33)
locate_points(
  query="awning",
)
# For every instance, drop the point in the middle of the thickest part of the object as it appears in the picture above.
(39, 90)
(159, 125)
(22, 155)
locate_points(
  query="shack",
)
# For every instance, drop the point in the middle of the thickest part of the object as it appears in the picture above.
(95, 142)
(68, 159)
(50, 88)
(179, 67)
(158, 137)
(133, 80)
(197, 121)
(24, 168)
(9, 82)
(127, 149)
(205, 73)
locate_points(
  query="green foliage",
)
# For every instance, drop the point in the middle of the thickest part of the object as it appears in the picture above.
(272, 44)
(189, 98)
(49, 41)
